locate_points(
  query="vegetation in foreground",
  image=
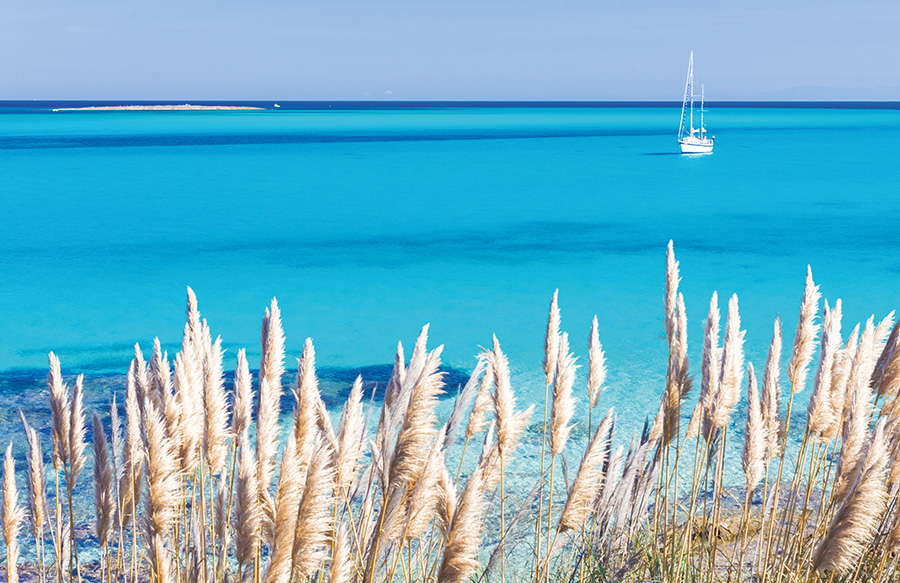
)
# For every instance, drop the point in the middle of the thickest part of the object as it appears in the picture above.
(195, 485)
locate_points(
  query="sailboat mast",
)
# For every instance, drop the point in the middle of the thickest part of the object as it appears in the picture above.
(702, 129)
(688, 90)
(691, 85)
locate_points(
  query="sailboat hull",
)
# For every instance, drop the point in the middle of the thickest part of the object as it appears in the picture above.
(695, 146)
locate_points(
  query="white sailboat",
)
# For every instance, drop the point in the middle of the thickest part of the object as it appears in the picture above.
(692, 140)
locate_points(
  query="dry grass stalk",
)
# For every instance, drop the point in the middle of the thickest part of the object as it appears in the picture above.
(246, 504)
(771, 394)
(820, 415)
(243, 396)
(271, 368)
(886, 376)
(482, 406)
(755, 435)
(59, 412)
(418, 431)
(728, 393)
(563, 406)
(38, 513)
(287, 500)
(423, 502)
(342, 568)
(163, 493)
(141, 375)
(805, 336)
(464, 399)
(407, 487)
(104, 496)
(855, 521)
(710, 366)
(215, 406)
(11, 516)
(582, 497)
(159, 375)
(314, 520)
(133, 476)
(189, 396)
(76, 432)
(446, 505)
(551, 339)
(678, 382)
(308, 416)
(857, 417)
(596, 365)
(671, 295)
(843, 367)
(350, 438)
(464, 536)
(397, 410)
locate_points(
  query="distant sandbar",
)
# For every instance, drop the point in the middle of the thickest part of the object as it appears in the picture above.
(185, 107)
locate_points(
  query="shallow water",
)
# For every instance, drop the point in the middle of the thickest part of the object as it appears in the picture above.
(367, 224)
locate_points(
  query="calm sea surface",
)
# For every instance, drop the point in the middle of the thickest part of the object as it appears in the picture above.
(368, 223)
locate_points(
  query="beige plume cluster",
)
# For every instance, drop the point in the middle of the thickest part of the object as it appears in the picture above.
(196, 482)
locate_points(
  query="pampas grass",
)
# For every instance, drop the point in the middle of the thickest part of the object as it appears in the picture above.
(11, 516)
(198, 480)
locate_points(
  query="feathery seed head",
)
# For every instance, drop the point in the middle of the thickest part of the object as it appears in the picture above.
(856, 519)
(551, 340)
(755, 435)
(588, 482)
(243, 396)
(59, 412)
(104, 497)
(11, 516)
(821, 411)
(350, 434)
(76, 431)
(771, 393)
(805, 336)
(563, 403)
(36, 483)
(596, 364)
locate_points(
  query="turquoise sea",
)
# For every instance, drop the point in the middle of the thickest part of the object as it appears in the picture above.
(367, 222)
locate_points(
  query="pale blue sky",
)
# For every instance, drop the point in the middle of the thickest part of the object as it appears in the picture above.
(454, 50)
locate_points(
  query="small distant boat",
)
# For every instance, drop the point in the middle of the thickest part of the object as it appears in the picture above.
(692, 140)
(276, 105)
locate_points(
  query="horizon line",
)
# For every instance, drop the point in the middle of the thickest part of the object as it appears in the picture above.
(444, 103)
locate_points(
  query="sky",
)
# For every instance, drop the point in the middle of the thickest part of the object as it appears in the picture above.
(448, 49)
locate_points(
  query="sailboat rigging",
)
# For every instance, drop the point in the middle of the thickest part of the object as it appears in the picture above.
(690, 139)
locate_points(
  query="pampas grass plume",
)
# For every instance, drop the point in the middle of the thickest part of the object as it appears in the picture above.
(856, 519)
(215, 405)
(246, 505)
(596, 364)
(11, 516)
(350, 434)
(771, 393)
(563, 403)
(36, 482)
(59, 413)
(551, 339)
(271, 368)
(805, 336)
(588, 482)
(104, 497)
(710, 365)
(755, 435)
(314, 521)
(243, 396)
(464, 536)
